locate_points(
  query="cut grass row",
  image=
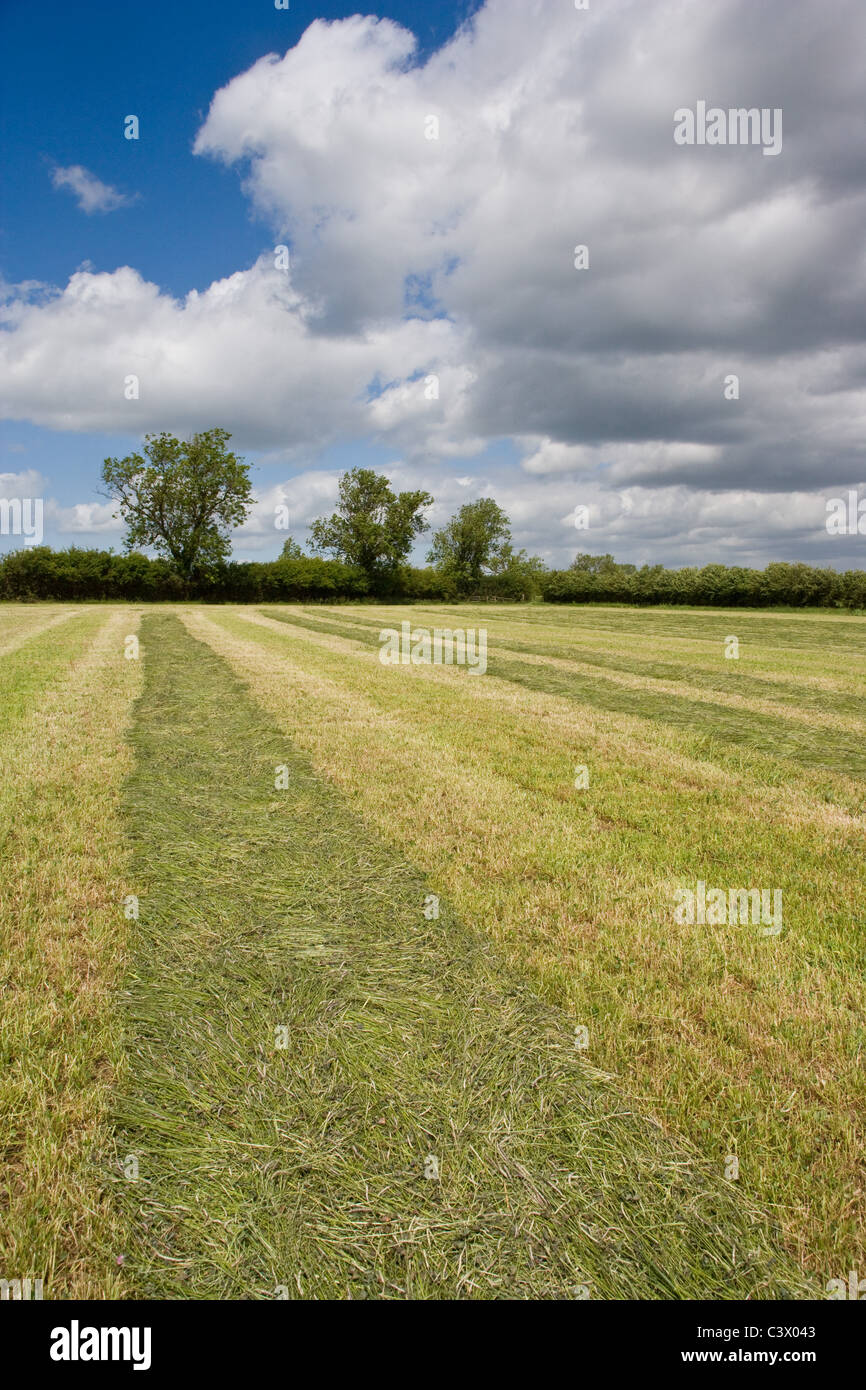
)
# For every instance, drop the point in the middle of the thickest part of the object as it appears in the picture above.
(746, 1044)
(829, 736)
(783, 676)
(304, 1042)
(19, 625)
(65, 695)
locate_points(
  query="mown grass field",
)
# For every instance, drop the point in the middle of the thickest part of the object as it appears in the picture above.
(282, 1075)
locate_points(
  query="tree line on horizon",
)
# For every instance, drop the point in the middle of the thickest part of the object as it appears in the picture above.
(183, 498)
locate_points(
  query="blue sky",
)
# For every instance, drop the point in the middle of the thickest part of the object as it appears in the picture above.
(78, 71)
(447, 257)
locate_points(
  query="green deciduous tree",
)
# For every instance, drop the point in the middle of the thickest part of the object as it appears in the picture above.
(182, 497)
(291, 550)
(516, 574)
(478, 538)
(599, 564)
(372, 528)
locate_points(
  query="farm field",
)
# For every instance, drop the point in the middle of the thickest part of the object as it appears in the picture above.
(329, 978)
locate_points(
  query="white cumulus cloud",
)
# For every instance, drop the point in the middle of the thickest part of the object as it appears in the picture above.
(92, 194)
(454, 258)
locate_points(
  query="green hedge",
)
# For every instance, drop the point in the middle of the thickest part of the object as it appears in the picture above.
(74, 575)
(720, 586)
(61, 575)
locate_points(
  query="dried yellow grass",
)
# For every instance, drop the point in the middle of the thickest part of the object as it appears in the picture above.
(61, 915)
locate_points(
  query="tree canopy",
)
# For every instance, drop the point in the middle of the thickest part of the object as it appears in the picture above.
(291, 550)
(373, 527)
(182, 497)
(477, 538)
(475, 545)
(599, 565)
